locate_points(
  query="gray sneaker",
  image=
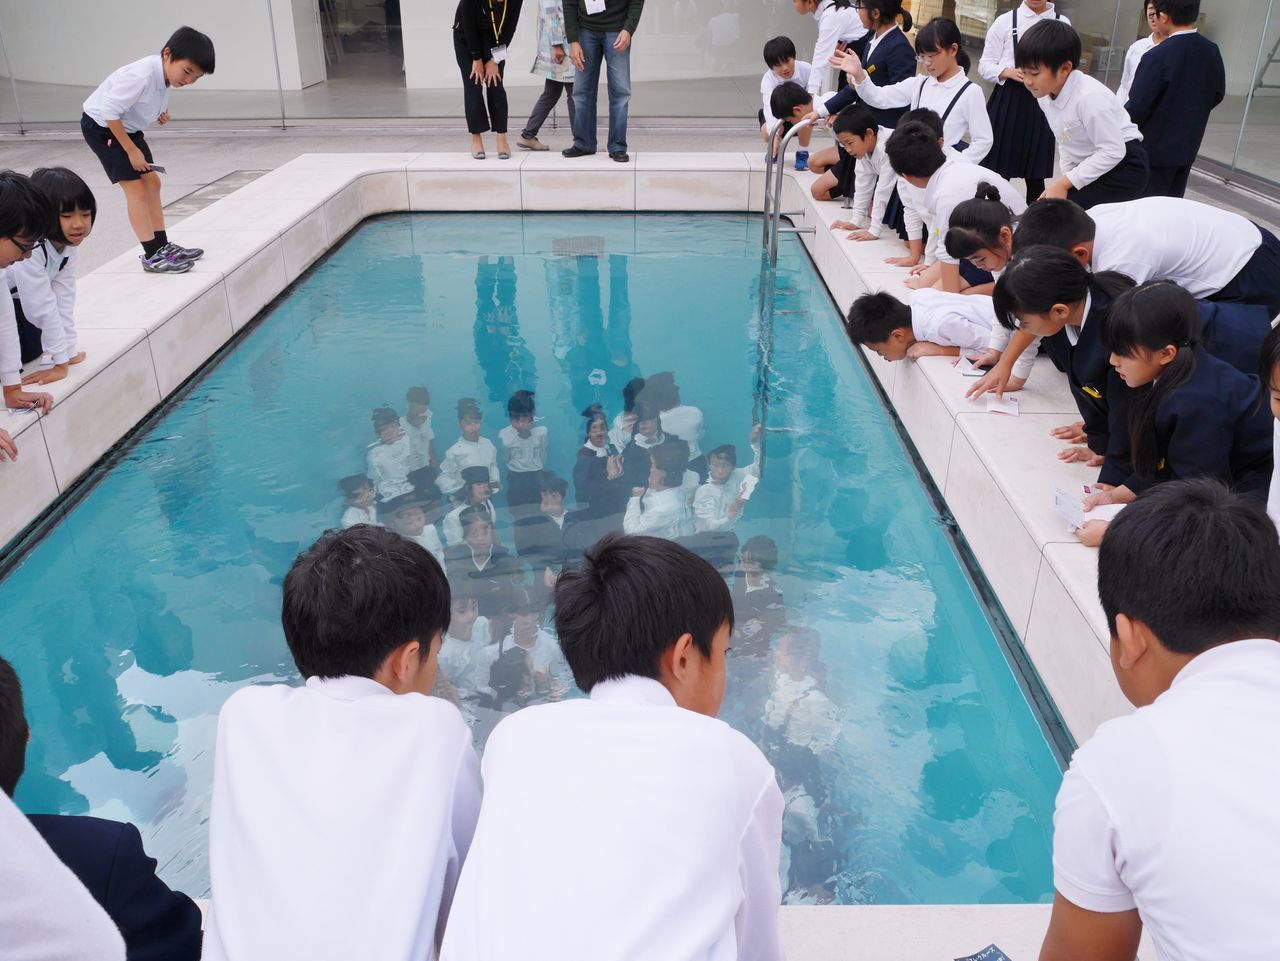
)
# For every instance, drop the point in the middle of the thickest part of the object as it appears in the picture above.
(176, 252)
(531, 143)
(160, 263)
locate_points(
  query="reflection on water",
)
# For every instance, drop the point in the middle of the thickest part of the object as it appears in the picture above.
(913, 769)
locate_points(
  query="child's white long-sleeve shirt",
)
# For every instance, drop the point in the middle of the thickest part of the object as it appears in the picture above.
(45, 285)
(873, 183)
(524, 454)
(466, 453)
(10, 345)
(835, 25)
(388, 467)
(658, 513)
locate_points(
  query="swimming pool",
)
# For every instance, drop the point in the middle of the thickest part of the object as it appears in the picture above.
(915, 771)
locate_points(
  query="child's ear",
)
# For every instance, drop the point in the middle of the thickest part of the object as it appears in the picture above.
(1082, 253)
(1133, 640)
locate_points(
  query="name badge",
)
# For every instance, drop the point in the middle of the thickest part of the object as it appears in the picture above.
(594, 7)
(499, 54)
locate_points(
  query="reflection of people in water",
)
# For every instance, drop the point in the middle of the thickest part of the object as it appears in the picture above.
(757, 604)
(588, 359)
(660, 508)
(678, 418)
(466, 650)
(507, 362)
(618, 334)
(801, 725)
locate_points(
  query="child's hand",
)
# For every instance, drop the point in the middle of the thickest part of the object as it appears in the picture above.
(988, 358)
(163, 118)
(1070, 433)
(557, 53)
(136, 159)
(47, 376)
(16, 398)
(8, 449)
(1057, 189)
(613, 468)
(1080, 455)
(922, 348)
(756, 431)
(1014, 74)
(1092, 532)
(849, 62)
(862, 235)
(637, 492)
(996, 379)
(916, 280)
(77, 359)
(908, 261)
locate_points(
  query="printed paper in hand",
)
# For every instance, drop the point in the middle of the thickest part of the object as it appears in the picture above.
(1002, 405)
(1070, 508)
(748, 486)
(989, 953)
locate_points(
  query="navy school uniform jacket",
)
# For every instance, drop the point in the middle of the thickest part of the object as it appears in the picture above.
(1215, 425)
(1176, 87)
(894, 60)
(157, 923)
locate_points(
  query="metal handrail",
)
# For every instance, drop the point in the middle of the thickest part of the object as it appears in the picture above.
(774, 167)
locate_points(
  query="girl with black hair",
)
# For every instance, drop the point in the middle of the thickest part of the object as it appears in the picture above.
(44, 285)
(598, 483)
(1190, 414)
(25, 220)
(1024, 142)
(1046, 292)
(838, 26)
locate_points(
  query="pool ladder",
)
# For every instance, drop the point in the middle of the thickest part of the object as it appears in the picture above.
(773, 212)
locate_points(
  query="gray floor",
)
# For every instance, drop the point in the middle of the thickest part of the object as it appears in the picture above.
(213, 163)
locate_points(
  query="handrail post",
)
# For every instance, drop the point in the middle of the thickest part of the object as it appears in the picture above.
(781, 165)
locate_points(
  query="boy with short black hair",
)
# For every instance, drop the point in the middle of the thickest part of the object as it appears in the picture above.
(361, 501)
(1100, 149)
(524, 450)
(658, 827)
(26, 219)
(114, 118)
(789, 103)
(388, 460)
(1166, 819)
(863, 146)
(343, 809)
(1175, 88)
(780, 59)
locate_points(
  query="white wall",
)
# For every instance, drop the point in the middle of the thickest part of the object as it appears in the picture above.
(79, 42)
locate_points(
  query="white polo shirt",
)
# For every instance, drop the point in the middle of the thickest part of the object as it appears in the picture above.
(952, 320)
(1172, 810)
(1199, 247)
(1090, 128)
(136, 95)
(524, 454)
(771, 82)
(951, 185)
(685, 423)
(873, 182)
(621, 826)
(341, 817)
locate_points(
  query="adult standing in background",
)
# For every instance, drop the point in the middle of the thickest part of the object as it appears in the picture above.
(601, 30)
(482, 30)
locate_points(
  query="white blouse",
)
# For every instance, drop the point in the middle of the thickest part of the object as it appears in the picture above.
(997, 53)
(967, 119)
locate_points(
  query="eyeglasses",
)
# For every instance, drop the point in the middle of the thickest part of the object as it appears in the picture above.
(25, 248)
(926, 57)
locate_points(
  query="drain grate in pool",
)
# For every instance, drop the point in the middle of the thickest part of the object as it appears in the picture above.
(585, 246)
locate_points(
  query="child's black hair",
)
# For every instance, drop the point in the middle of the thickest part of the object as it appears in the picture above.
(786, 97)
(976, 224)
(24, 210)
(1037, 278)
(520, 404)
(472, 515)
(355, 596)
(418, 395)
(187, 43)
(1048, 44)
(914, 151)
(14, 732)
(672, 458)
(469, 407)
(942, 34)
(593, 413)
(552, 483)
(778, 51)
(1195, 563)
(727, 451)
(350, 486)
(67, 193)
(874, 317)
(646, 410)
(631, 600)
(1181, 13)
(889, 11)
(930, 118)
(1269, 359)
(382, 417)
(1054, 223)
(762, 550)
(1151, 317)
(661, 390)
(856, 119)
(631, 392)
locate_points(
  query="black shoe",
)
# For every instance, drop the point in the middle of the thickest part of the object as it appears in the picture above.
(620, 156)
(576, 152)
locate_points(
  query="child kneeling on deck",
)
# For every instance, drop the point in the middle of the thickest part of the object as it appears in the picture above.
(631, 823)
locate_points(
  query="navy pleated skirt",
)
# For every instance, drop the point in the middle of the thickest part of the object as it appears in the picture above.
(1023, 140)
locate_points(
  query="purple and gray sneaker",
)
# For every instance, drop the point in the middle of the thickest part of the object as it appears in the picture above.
(176, 252)
(160, 263)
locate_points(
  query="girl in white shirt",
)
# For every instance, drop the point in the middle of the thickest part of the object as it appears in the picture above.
(1137, 50)
(1023, 140)
(661, 509)
(470, 450)
(44, 286)
(357, 491)
(388, 460)
(838, 23)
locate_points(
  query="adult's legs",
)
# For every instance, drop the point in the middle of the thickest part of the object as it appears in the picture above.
(585, 89)
(542, 109)
(472, 92)
(497, 97)
(1167, 182)
(619, 69)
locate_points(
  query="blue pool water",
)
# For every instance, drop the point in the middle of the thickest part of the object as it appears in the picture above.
(914, 769)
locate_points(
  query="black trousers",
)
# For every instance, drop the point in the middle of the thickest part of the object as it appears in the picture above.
(1127, 180)
(476, 96)
(1168, 182)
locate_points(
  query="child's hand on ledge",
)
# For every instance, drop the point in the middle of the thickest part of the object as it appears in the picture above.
(1070, 433)
(8, 449)
(1092, 532)
(47, 376)
(922, 348)
(16, 398)
(862, 235)
(1080, 455)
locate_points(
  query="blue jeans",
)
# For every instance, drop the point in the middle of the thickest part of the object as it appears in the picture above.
(597, 46)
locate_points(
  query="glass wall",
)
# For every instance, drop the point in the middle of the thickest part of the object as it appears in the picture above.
(286, 60)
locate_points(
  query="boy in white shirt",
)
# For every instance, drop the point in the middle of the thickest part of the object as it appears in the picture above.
(780, 59)
(343, 809)
(467, 652)
(26, 218)
(389, 458)
(658, 827)
(873, 176)
(407, 516)
(1100, 149)
(524, 449)
(115, 115)
(416, 424)
(470, 450)
(361, 501)
(718, 504)
(1137, 50)
(44, 285)
(1166, 819)
(477, 492)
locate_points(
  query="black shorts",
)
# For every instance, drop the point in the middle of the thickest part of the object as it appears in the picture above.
(760, 116)
(114, 160)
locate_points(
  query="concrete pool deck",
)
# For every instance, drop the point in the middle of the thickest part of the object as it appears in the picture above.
(997, 473)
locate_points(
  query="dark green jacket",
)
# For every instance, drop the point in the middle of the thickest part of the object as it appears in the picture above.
(618, 15)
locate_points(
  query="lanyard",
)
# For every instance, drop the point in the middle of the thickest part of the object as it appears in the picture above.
(497, 24)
